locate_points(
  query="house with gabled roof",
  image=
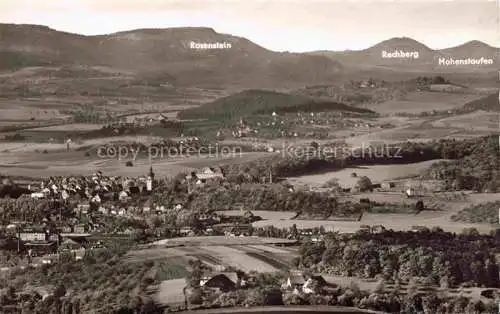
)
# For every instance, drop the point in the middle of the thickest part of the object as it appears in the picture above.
(207, 173)
(69, 245)
(223, 281)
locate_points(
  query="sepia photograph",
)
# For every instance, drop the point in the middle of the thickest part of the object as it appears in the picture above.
(260, 156)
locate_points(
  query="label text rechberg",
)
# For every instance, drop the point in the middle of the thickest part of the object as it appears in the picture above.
(400, 55)
(204, 46)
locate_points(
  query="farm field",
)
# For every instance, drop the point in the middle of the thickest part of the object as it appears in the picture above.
(476, 121)
(85, 167)
(265, 214)
(239, 259)
(71, 127)
(219, 240)
(25, 109)
(417, 102)
(424, 131)
(262, 258)
(170, 291)
(27, 147)
(376, 173)
(28, 159)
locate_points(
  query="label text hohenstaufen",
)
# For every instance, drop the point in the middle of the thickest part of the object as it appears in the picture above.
(466, 61)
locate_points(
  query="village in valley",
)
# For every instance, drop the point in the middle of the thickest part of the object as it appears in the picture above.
(220, 221)
(188, 170)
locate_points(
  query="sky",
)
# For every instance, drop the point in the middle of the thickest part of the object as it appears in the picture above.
(280, 25)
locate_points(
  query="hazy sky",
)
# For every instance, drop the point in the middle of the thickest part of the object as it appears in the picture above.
(277, 25)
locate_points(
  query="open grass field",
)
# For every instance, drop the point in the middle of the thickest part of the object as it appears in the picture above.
(27, 148)
(71, 127)
(219, 240)
(265, 214)
(476, 121)
(376, 173)
(240, 259)
(416, 102)
(170, 291)
(424, 130)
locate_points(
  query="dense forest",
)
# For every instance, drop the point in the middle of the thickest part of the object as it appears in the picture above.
(252, 102)
(29, 209)
(475, 164)
(275, 198)
(442, 258)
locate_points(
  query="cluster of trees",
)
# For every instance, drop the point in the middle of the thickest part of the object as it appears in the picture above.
(369, 91)
(244, 104)
(426, 81)
(88, 113)
(488, 103)
(172, 128)
(16, 137)
(26, 208)
(275, 198)
(444, 259)
(316, 106)
(12, 191)
(475, 164)
(480, 213)
(102, 282)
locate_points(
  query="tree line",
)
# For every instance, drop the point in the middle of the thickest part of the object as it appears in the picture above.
(443, 259)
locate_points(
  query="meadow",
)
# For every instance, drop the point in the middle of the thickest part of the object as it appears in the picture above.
(376, 173)
(417, 102)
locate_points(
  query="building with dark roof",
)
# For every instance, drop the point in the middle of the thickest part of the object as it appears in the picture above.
(223, 282)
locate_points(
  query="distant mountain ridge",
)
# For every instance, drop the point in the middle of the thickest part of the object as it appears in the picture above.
(427, 57)
(169, 51)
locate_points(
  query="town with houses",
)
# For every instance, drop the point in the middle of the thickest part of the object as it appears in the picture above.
(258, 168)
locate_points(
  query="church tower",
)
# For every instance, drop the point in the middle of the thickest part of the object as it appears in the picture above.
(151, 173)
(149, 181)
